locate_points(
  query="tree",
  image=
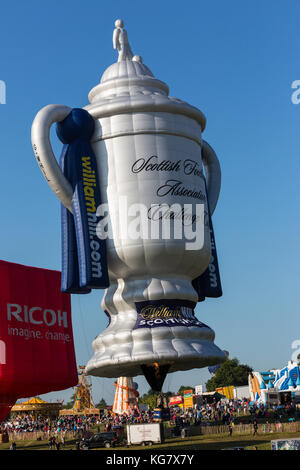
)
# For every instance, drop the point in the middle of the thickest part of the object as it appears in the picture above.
(185, 387)
(102, 404)
(150, 398)
(231, 372)
(70, 404)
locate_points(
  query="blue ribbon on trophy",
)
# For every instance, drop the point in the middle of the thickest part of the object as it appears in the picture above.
(208, 284)
(84, 261)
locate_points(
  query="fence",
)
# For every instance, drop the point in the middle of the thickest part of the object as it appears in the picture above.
(239, 429)
(248, 428)
(38, 435)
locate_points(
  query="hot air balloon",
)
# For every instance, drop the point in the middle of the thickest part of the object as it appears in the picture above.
(213, 369)
(36, 339)
(137, 155)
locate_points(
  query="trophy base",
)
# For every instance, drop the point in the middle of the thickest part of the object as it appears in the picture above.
(176, 353)
(152, 337)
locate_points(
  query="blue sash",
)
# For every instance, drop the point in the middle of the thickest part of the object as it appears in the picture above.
(84, 262)
(209, 283)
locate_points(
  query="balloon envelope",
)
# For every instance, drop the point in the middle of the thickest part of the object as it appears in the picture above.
(36, 339)
(6, 403)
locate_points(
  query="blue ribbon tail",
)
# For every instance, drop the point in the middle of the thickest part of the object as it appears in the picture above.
(208, 284)
(84, 260)
(70, 269)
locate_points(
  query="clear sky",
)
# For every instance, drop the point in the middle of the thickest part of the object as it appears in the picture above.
(235, 61)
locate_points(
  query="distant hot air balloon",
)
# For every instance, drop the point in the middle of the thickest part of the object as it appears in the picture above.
(36, 340)
(135, 385)
(213, 369)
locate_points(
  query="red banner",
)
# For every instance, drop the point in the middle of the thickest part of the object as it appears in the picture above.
(36, 337)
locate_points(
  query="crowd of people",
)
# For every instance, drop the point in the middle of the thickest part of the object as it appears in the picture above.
(222, 412)
(230, 412)
(32, 423)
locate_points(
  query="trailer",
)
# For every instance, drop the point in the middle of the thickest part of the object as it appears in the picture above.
(145, 434)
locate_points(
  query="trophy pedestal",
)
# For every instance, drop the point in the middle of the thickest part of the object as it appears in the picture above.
(152, 337)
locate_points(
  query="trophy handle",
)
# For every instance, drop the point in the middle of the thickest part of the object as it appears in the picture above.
(213, 175)
(40, 139)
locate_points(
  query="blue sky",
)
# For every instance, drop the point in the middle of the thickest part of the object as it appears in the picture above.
(235, 61)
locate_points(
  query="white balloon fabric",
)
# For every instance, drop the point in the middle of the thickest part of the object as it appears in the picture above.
(149, 151)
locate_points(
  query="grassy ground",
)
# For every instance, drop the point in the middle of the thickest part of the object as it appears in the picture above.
(213, 442)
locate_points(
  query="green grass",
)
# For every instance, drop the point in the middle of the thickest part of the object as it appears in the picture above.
(213, 442)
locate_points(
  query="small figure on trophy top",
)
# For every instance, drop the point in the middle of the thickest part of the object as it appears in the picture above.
(120, 41)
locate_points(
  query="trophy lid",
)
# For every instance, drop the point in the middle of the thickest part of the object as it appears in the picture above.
(129, 85)
(128, 76)
(127, 68)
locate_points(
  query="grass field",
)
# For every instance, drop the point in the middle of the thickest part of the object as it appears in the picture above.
(213, 442)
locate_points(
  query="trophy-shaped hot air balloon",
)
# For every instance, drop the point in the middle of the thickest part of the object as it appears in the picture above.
(138, 186)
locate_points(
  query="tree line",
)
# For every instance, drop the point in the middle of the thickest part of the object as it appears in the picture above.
(231, 372)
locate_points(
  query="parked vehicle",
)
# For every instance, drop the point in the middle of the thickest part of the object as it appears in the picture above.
(102, 439)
